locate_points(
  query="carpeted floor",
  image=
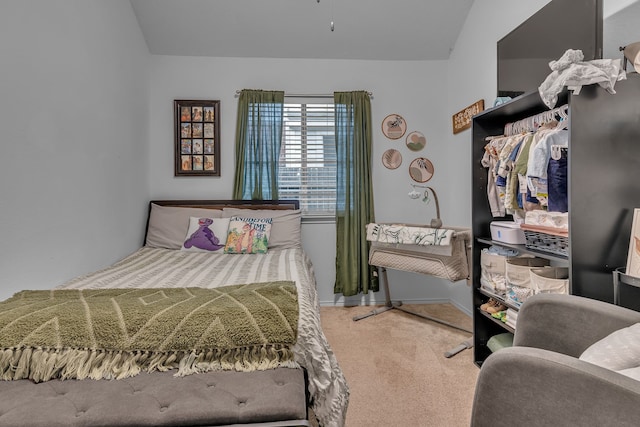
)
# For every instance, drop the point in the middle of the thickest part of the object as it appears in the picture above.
(395, 366)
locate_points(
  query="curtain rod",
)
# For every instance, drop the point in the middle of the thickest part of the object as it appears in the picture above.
(306, 95)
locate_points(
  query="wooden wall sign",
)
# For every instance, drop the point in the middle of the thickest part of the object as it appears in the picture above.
(462, 119)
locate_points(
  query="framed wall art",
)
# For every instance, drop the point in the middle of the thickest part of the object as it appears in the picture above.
(197, 138)
(633, 257)
(394, 126)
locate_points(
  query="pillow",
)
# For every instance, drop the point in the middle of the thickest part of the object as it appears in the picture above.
(206, 234)
(617, 351)
(168, 224)
(631, 373)
(285, 228)
(248, 235)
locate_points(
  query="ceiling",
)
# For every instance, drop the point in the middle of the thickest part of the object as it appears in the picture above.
(363, 29)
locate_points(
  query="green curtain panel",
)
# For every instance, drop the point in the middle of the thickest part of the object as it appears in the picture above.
(354, 196)
(258, 140)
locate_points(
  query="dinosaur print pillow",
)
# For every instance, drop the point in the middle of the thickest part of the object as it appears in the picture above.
(206, 234)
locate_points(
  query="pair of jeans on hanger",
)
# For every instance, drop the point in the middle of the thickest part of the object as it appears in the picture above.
(557, 180)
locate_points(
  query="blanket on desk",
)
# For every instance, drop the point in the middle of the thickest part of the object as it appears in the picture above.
(116, 333)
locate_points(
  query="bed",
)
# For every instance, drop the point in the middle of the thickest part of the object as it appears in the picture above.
(246, 385)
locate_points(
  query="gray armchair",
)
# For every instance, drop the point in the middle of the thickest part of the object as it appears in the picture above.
(541, 382)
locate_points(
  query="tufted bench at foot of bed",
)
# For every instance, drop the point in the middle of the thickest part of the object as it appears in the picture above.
(274, 397)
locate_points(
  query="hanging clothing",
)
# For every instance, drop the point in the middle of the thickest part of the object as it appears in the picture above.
(513, 201)
(520, 171)
(539, 161)
(490, 161)
(525, 166)
(557, 180)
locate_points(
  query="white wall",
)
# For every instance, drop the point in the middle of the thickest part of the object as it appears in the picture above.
(73, 127)
(414, 89)
(86, 121)
(472, 69)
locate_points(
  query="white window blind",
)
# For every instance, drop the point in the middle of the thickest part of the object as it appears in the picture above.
(307, 166)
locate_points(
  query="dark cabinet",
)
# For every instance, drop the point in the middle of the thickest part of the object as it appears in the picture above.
(603, 190)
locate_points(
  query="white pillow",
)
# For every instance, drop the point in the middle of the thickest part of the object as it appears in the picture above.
(206, 234)
(617, 351)
(285, 225)
(631, 373)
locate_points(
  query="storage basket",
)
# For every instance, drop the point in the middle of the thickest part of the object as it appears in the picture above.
(550, 280)
(492, 272)
(518, 278)
(546, 240)
(492, 268)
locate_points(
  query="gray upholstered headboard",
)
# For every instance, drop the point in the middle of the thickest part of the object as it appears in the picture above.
(221, 204)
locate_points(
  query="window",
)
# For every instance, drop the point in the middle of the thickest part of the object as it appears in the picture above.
(307, 165)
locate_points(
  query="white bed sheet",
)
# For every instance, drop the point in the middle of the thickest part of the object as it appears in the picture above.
(162, 268)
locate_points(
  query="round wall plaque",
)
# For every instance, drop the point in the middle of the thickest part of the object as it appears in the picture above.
(394, 126)
(416, 141)
(391, 159)
(421, 169)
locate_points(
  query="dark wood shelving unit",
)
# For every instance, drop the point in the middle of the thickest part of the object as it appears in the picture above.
(523, 249)
(603, 177)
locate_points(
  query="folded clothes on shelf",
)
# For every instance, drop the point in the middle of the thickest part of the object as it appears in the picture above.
(511, 317)
(544, 218)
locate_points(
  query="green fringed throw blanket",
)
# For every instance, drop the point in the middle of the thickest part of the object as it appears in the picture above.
(117, 333)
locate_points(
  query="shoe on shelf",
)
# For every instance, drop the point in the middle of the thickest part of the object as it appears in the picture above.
(490, 305)
(496, 308)
(490, 302)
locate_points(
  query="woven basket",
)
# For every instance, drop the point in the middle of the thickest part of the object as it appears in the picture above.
(545, 239)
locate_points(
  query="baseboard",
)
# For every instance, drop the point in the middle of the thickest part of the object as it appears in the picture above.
(460, 307)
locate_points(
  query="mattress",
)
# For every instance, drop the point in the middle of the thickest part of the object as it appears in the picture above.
(161, 268)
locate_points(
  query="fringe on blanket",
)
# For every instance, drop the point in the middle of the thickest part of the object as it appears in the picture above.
(43, 364)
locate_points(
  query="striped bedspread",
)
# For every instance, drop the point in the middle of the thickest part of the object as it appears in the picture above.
(164, 268)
